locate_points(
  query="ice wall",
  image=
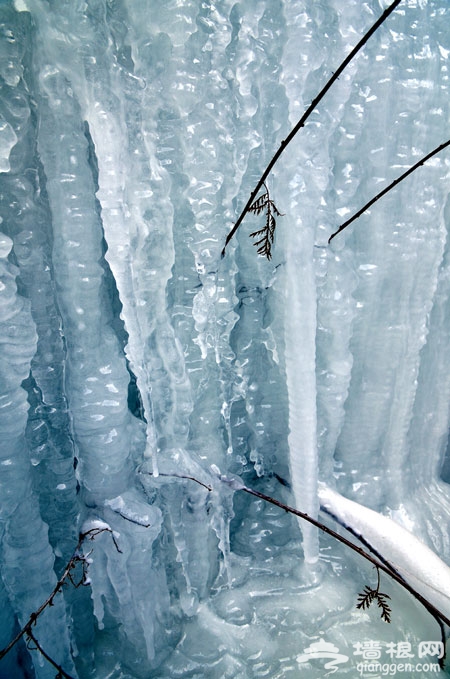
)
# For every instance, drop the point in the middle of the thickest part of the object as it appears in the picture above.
(131, 134)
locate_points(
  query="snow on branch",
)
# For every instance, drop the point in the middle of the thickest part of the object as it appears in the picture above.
(369, 595)
(94, 528)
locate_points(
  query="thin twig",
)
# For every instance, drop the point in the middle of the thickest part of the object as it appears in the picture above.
(179, 476)
(306, 115)
(388, 565)
(382, 193)
(385, 567)
(67, 575)
(61, 672)
(435, 612)
(360, 538)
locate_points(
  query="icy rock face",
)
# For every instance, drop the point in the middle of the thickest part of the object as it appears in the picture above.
(135, 360)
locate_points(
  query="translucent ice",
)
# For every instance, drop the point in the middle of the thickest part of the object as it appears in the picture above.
(146, 380)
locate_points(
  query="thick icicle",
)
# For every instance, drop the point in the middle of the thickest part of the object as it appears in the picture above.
(97, 378)
(300, 361)
(26, 556)
(26, 220)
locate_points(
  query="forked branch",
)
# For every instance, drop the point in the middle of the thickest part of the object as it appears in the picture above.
(380, 565)
(37, 647)
(365, 598)
(76, 558)
(435, 612)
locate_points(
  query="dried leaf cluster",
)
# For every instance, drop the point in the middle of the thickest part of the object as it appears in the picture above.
(267, 233)
(369, 595)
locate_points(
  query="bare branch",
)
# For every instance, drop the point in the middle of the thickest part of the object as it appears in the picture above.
(179, 476)
(61, 672)
(386, 190)
(306, 115)
(384, 566)
(435, 612)
(77, 557)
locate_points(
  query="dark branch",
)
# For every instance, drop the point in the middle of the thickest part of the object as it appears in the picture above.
(436, 613)
(179, 476)
(306, 115)
(61, 672)
(386, 190)
(385, 566)
(76, 557)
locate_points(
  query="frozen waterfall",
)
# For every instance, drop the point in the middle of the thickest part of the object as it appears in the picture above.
(135, 360)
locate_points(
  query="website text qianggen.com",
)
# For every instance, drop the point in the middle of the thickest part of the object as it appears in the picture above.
(391, 669)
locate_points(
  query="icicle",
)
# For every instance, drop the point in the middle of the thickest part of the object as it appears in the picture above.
(26, 556)
(300, 335)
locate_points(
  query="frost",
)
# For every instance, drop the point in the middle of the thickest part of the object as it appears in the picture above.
(95, 524)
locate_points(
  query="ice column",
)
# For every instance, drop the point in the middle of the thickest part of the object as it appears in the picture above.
(27, 222)
(26, 556)
(97, 376)
(397, 249)
(299, 194)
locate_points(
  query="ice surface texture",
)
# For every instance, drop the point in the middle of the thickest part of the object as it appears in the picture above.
(131, 133)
